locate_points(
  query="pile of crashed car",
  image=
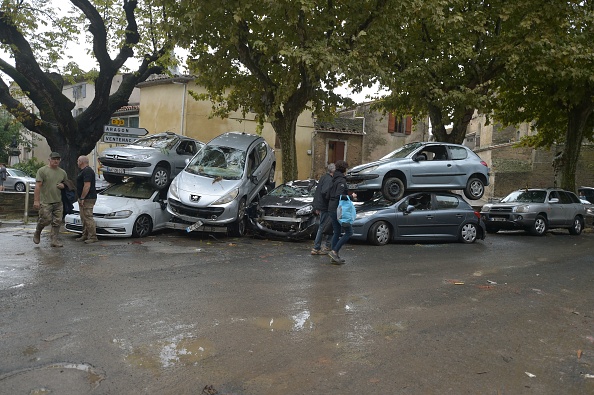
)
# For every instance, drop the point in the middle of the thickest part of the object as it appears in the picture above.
(227, 185)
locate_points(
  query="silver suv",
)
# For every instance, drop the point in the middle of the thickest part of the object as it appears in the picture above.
(159, 156)
(536, 211)
(421, 166)
(221, 181)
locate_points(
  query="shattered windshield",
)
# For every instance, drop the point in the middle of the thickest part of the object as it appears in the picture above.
(525, 197)
(285, 190)
(163, 142)
(131, 189)
(403, 151)
(217, 161)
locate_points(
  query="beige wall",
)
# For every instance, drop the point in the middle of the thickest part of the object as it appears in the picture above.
(167, 106)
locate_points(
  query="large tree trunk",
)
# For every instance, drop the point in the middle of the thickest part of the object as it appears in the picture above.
(458, 133)
(577, 119)
(285, 130)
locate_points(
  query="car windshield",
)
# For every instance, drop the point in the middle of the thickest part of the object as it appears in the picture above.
(131, 189)
(377, 201)
(403, 151)
(217, 161)
(18, 173)
(525, 197)
(285, 190)
(162, 141)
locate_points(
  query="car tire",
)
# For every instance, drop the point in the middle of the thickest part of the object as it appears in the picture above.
(379, 234)
(492, 230)
(468, 233)
(160, 178)
(112, 179)
(19, 187)
(577, 227)
(143, 226)
(393, 189)
(239, 227)
(539, 227)
(475, 189)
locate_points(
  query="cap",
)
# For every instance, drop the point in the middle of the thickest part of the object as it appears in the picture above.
(55, 155)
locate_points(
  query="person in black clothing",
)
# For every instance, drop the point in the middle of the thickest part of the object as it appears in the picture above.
(87, 196)
(338, 189)
(320, 205)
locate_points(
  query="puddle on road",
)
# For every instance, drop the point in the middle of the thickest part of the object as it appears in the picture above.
(56, 378)
(180, 350)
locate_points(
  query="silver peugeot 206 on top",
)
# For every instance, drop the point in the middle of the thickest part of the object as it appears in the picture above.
(421, 166)
(220, 181)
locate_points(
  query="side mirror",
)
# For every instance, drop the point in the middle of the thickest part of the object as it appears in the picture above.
(553, 200)
(254, 179)
(163, 204)
(409, 209)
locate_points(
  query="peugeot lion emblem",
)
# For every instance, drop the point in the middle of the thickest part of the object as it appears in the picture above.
(194, 198)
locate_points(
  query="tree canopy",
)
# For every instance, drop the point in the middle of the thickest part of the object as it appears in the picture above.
(34, 34)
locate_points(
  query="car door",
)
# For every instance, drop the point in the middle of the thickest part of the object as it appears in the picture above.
(460, 166)
(254, 171)
(185, 150)
(436, 171)
(448, 215)
(418, 222)
(556, 213)
(159, 211)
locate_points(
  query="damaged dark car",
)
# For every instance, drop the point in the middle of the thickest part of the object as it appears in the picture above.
(287, 211)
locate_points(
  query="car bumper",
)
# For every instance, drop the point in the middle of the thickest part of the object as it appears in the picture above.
(508, 221)
(105, 227)
(364, 182)
(210, 215)
(126, 167)
(293, 228)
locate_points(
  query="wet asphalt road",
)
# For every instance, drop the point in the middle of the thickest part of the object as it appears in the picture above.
(191, 314)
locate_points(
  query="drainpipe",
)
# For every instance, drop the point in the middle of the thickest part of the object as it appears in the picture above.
(311, 172)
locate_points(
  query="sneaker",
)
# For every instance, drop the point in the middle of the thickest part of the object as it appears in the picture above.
(334, 256)
(340, 261)
(318, 252)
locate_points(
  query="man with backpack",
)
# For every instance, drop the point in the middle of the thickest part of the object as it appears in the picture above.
(338, 196)
(320, 205)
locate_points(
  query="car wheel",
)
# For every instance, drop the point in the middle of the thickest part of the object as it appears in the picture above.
(270, 180)
(492, 230)
(539, 227)
(379, 233)
(112, 179)
(576, 228)
(238, 227)
(19, 187)
(160, 178)
(474, 189)
(393, 189)
(143, 226)
(468, 233)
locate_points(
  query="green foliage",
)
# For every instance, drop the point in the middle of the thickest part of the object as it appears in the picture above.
(30, 167)
(9, 133)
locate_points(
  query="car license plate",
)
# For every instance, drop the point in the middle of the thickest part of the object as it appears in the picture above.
(498, 219)
(76, 221)
(352, 186)
(115, 170)
(194, 226)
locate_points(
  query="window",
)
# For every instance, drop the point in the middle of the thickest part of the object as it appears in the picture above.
(399, 125)
(458, 153)
(446, 202)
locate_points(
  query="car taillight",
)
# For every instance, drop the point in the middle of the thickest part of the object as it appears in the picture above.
(477, 214)
(484, 163)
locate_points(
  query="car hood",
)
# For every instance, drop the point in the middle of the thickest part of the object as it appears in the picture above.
(128, 150)
(108, 204)
(375, 163)
(206, 187)
(285, 202)
(30, 180)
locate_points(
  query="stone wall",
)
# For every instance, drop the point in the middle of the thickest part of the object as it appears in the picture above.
(12, 205)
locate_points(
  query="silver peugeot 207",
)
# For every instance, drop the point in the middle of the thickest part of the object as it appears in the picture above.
(421, 166)
(220, 181)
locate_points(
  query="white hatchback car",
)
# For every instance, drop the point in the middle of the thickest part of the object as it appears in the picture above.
(132, 208)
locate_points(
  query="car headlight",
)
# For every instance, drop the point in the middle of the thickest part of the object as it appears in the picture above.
(305, 210)
(369, 169)
(173, 191)
(590, 211)
(228, 198)
(140, 157)
(524, 208)
(365, 214)
(486, 208)
(118, 214)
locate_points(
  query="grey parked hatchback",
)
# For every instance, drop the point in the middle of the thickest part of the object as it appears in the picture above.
(421, 166)
(536, 211)
(159, 157)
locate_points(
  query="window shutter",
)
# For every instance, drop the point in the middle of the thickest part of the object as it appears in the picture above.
(391, 123)
(408, 129)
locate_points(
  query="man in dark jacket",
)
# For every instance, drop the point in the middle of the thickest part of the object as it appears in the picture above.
(339, 188)
(320, 205)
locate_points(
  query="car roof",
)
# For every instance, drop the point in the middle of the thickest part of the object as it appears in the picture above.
(238, 140)
(171, 134)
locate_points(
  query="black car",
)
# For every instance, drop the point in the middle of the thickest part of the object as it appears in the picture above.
(421, 216)
(287, 211)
